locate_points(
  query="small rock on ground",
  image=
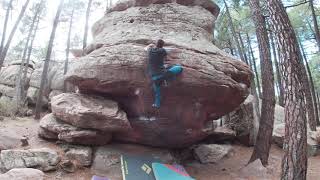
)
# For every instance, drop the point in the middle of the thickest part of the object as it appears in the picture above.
(212, 153)
(23, 174)
(44, 159)
(80, 155)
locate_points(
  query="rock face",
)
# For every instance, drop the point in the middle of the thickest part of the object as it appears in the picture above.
(44, 159)
(53, 128)
(211, 85)
(23, 174)
(89, 112)
(244, 121)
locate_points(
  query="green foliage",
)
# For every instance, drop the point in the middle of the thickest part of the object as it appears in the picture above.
(314, 64)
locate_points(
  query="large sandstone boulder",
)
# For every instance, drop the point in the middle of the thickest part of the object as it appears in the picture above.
(53, 128)
(89, 112)
(211, 85)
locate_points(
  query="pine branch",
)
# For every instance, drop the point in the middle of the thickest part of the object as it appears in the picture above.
(298, 4)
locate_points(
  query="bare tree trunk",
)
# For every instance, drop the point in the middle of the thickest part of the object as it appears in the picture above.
(85, 36)
(263, 143)
(280, 86)
(4, 30)
(68, 43)
(19, 81)
(254, 65)
(243, 49)
(315, 104)
(295, 161)
(47, 60)
(308, 95)
(315, 24)
(6, 47)
(233, 31)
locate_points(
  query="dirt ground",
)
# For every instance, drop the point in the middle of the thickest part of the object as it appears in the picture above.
(228, 169)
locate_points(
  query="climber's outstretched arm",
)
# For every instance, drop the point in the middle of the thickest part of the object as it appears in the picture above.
(149, 46)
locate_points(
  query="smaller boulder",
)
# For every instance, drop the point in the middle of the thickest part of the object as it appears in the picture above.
(53, 128)
(9, 140)
(255, 169)
(44, 159)
(90, 112)
(23, 174)
(212, 153)
(80, 155)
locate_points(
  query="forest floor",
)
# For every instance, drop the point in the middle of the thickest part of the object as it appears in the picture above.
(230, 168)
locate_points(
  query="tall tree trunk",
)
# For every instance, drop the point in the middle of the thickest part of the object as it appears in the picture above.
(19, 81)
(254, 65)
(280, 86)
(85, 36)
(243, 49)
(315, 24)
(6, 47)
(68, 44)
(4, 29)
(233, 31)
(263, 143)
(315, 104)
(47, 60)
(295, 161)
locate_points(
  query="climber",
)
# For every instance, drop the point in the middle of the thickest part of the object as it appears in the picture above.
(156, 67)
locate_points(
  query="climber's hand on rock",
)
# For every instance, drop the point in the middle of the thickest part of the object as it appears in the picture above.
(147, 48)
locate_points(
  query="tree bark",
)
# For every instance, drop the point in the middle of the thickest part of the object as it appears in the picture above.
(4, 30)
(254, 65)
(263, 143)
(47, 60)
(243, 49)
(233, 31)
(6, 47)
(280, 86)
(295, 161)
(315, 24)
(85, 36)
(315, 104)
(68, 43)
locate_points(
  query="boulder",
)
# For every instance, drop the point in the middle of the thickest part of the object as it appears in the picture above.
(32, 95)
(44, 159)
(23, 174)
(211, 85)
(255, 169)
(53, 128)
(54, 93)
(221, 134)
(8, 75)
(9, 140)
(89, 112)
(80, 155)
(31, 64)
(7, 90)
(125, 4)
(212, 153)
(244, 122)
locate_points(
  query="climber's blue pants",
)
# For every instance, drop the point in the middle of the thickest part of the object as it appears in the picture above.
(169, 74)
